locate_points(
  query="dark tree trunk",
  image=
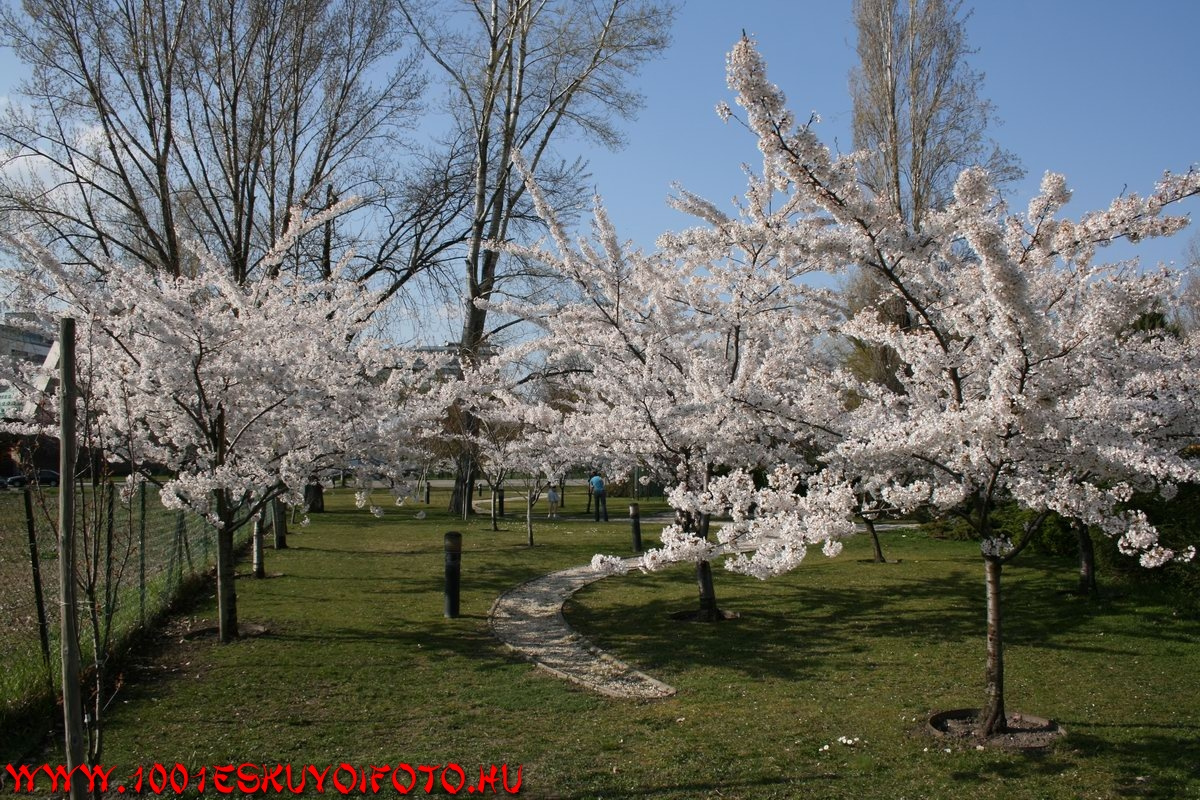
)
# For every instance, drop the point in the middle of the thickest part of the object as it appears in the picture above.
(314, 497)
(708, 593)
(464, 486)
(993, 720)
(226, 592)
(708, 611)
(279, 524)
(870, 523)
(1087, 562)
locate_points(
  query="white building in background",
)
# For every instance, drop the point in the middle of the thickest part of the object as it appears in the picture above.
(18, 345)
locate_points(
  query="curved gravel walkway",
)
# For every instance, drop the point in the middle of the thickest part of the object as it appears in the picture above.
(529, 619)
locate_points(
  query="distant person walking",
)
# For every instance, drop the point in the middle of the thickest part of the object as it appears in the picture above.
(597, 484)
(552, 500)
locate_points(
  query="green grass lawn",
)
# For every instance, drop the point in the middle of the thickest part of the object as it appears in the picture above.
(358, 665)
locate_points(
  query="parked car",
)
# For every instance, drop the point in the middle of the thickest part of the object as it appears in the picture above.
(43, 477)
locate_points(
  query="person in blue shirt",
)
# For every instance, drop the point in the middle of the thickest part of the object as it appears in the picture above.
(597, 484)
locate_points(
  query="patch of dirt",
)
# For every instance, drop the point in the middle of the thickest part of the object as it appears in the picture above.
(1024, 731)
(246, 630)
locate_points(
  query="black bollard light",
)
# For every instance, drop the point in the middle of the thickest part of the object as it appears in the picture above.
(635, 522)
(453, 545)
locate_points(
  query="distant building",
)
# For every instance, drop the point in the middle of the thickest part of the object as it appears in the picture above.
(452, 368)
(23, 345)
(18, 345)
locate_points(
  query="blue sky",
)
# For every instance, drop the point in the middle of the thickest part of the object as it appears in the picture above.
(1106, 92)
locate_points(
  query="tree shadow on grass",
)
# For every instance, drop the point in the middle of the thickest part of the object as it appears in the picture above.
(1031, 764)
(1150, 759)
(795, 632)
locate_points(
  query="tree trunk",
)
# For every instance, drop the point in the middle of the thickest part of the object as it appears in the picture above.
(708, 593)
(314, 496)
(708, 612)
(226, 591)
(993, 720)
(870, 523)
(494, 500)
(529, 500)
(464, 482)
(257, 544)
(279, 524)
(1087, 562)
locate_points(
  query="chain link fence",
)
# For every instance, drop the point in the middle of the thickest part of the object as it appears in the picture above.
(133, 557)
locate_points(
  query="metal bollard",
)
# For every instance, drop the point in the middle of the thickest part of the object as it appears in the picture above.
(635, 521)
(453, 546)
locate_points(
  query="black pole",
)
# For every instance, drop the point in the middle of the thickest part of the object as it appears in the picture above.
(38, 598)
(453, 546)
(635, 522)
(142, 553)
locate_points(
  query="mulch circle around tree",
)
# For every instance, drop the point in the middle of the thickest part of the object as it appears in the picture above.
(1025, 731)
(700, 616)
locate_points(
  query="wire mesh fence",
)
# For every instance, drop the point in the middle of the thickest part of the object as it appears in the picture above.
(133, 556)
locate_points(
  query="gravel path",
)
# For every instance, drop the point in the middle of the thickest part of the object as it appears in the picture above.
(529, 619)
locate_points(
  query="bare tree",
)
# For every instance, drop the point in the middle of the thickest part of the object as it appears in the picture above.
(145, 124)
(918, 110)
(142, 123)
(522, 75)
(920, 117)
(1187, 310)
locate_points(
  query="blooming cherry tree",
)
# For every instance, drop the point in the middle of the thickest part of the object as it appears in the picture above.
(1022, 375)
(547, 451)
(674, 359)
(1022, 378)
(240, 391)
